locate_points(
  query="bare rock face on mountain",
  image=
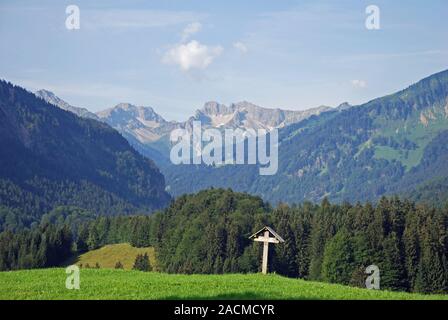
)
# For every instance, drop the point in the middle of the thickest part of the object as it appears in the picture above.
(246, 115)
(143, 123)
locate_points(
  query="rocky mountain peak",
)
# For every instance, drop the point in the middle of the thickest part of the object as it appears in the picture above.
(214, 108)
(124, 112)
(50, 97)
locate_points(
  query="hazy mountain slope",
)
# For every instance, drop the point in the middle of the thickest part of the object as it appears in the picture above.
(50, 97)
(384, 146)
(51, 157)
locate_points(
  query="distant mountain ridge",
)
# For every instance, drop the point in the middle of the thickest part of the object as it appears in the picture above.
(144, 124)
(147, 126)
(148, 132)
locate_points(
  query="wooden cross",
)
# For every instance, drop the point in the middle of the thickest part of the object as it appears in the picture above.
(267, 236)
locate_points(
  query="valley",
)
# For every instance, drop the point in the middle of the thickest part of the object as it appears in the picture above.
(218, 150)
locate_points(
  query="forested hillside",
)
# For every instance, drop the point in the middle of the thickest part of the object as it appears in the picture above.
(50, 157)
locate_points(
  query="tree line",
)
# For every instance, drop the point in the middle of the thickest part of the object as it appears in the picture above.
(45, 246)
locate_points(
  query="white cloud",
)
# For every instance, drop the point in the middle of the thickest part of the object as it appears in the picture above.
(359, 83)
(192, 55)
(240, 47)
(191, 29)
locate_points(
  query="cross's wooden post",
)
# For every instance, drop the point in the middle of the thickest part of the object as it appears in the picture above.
(264, 269)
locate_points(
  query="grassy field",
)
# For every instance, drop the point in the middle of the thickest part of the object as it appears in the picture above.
(109, 255)
(123, 284)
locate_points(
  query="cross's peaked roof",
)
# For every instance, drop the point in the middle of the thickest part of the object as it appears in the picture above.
(266, 228)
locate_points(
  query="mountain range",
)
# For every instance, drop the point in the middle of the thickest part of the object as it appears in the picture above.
(145, 128)
(393, 144)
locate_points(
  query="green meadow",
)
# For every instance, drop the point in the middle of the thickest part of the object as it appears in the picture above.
(129, 284)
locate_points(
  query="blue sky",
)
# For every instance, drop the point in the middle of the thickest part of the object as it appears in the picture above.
(176, 55)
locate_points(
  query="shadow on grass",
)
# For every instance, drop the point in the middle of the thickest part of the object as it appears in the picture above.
(71, 261)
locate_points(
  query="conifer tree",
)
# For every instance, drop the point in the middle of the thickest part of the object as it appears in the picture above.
(93, 241)
(82, 239)
(393, 275)
(338, 261)
(285, 253)
(142, 263)
(411, 244)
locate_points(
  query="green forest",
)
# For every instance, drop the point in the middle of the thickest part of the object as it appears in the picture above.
(208, 233)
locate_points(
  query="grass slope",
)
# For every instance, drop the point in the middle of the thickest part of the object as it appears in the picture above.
(109, 255)
(122, 284)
